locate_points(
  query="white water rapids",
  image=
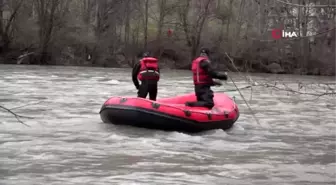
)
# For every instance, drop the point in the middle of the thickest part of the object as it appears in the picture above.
(67, 144)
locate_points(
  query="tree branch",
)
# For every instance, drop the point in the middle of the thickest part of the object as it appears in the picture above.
(16, 116)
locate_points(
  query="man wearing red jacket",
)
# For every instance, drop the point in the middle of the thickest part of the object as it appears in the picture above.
(148, 72)
(203, 75)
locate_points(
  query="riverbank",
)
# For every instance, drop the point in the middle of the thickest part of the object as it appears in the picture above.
(273, 69)
(166, 63)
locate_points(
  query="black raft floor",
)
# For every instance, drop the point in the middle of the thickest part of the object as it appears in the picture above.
(138, 117)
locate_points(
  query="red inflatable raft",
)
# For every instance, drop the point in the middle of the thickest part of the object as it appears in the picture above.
(170, 114)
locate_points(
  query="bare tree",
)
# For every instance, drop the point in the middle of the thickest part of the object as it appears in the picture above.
(112, 32)
(193, 27)
(47, 15)
(6, 24)
(146, 24)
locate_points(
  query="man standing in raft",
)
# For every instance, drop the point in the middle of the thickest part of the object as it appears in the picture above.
(148, 72)
(203, 75)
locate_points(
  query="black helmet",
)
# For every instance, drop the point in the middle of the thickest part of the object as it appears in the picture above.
(146, 54)
(205, 50)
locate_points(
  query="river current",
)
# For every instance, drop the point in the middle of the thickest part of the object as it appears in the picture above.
(66, 142)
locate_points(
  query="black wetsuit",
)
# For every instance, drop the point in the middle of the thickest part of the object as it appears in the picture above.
(203, 92)
(146, 86)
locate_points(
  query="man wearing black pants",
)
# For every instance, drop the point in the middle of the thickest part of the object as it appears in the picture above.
(148, 72)
(203, 75)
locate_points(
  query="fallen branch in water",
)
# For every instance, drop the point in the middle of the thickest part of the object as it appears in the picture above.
(301, 89)
(254, 116)
(25, 105)
(288, 89)
(247, 77)
(269, 84)
(16, 116)
(315, 93)
(246, 87)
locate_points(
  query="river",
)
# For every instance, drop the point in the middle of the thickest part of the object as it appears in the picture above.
(67, 143)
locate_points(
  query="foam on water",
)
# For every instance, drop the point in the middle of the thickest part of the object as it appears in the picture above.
(67, 143)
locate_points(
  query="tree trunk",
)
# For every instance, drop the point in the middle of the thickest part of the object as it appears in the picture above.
(304, 42)
(7, 28)
(228, 27)
(236, 37)
(197, 37)
(146, 25)
(262, 14)
(127, 29)
(46, 18)
(162, 5)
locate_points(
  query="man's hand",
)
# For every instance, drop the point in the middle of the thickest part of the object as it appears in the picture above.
(217, 83)
(223, 76)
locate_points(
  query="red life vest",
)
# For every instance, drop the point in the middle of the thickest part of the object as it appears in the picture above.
(149, 69)
(200, 76)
